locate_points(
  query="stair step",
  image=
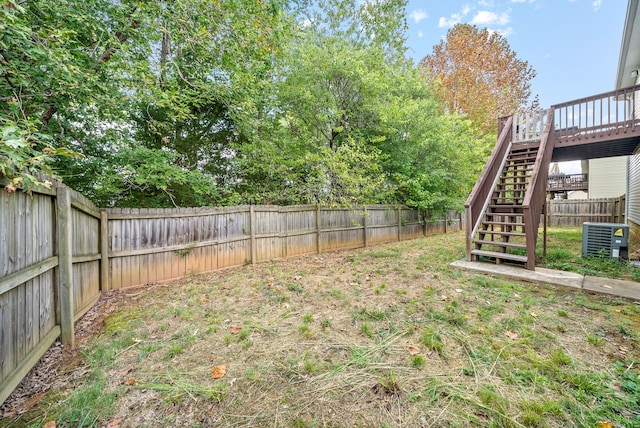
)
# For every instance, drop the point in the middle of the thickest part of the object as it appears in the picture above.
(502, 223)
(505, 209)
(500, 256)
(522, 157)
(500, 244)
(498, 232)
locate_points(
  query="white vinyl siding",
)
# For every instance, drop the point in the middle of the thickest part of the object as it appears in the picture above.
(607, 177)
(633, 198)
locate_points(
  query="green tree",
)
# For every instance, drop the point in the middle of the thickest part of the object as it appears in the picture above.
(53, 61)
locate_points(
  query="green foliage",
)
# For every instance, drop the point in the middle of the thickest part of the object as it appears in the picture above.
(191, 103)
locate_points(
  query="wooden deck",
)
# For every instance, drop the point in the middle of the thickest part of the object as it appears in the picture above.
(567, 182)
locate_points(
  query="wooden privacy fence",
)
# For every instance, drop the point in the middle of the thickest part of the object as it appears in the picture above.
(152, 245)
(49, 274)
(572, 213)
(58, 251)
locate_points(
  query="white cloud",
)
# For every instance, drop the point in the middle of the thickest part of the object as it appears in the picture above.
(418, 15)
(485, 17)
(454, 19)
(505, 32)
(485, 3)
(420, 34)
(523, 1)
(596, 4)
(449, 22)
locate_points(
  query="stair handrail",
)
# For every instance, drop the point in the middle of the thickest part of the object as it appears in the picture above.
(480, 196)
(536, 193)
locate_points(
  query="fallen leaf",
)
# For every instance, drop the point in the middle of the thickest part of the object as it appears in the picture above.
(114, 423)
(130, 382)
(126, 371)
(413, 350)
(50, 424)
(445, 298)
(219, 371)
(605, 424)
(427, 286)
(511, 334)
(10, 188)
(459, 290)
(232, 382)
(135, 340)
(235, 330)
(533, 314)
(205, 299)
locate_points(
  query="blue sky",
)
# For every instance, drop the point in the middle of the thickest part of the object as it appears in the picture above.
(572, 44)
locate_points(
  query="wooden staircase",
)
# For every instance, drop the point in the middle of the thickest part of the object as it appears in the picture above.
(502, 236)
(504, 208)
(506, 204)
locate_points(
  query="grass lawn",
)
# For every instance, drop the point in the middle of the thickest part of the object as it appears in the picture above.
(387, 336)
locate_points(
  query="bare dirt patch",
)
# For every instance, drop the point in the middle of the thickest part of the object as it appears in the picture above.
(383, 336)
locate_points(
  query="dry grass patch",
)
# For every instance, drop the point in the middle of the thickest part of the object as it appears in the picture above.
(384, 336)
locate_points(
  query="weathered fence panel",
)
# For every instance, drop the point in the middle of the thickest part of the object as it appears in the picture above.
(27, 284)
(85, 247)
(49, 274)
(572, 213)
(154, 245)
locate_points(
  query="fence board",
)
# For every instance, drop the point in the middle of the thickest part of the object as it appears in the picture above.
(572, 213)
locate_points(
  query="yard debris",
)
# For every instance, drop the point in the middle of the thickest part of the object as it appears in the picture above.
(219, 371)
(413, 350)
(511, 334)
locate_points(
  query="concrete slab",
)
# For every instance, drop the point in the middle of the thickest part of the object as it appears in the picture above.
(615, 287)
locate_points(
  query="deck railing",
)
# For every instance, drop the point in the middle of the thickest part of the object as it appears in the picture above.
(478, 200)
(564, 182)
(535, 196)
(597, 116)
(528, 127)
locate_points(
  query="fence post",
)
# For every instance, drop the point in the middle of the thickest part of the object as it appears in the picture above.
(105, 285)
(364, 223)
(65, 266)
(284, 226)
(252, 227)
(399, 224)
(446, 220)
(424, 222)
(318, 225)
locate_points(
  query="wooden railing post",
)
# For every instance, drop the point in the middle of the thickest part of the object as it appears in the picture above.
(105, 285)
(65, 266)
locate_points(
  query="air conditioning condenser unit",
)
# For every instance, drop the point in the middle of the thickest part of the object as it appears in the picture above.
(605, 239)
